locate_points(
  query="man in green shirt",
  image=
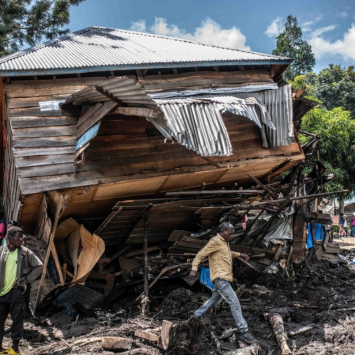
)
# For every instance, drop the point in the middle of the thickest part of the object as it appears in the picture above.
(18, 267)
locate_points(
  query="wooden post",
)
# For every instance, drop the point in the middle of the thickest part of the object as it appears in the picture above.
(145, 264)
(299, 235)
(58, 209)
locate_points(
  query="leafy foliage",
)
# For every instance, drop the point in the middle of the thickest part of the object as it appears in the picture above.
(290, 44)
(336, 146)
(28, 21)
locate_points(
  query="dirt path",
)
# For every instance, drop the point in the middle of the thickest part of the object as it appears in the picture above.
(346, 243)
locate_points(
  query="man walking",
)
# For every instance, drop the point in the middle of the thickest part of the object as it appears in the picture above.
(221, 272)
(18, 267)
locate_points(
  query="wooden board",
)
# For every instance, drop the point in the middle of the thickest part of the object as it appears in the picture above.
(65, 228)
(176, 235)
(131, 188)
(95, 117)
(321, 218)
(128, 264)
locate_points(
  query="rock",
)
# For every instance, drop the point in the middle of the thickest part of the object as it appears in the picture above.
(58, 319)
(116, 343)
(78, 330)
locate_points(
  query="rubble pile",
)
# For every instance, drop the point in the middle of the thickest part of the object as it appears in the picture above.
(314, 301)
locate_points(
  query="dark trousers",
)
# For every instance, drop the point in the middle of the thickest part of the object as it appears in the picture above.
(26, 296)
(13, 303)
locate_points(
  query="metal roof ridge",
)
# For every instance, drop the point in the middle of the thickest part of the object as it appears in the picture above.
(95, 27)
(189, 41)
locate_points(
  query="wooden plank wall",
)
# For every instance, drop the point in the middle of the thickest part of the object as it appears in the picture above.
(44, 141)
(204, 79)
(131, 145)
(11, 188)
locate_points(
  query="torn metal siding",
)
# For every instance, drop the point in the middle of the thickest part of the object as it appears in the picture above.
(100, 48)
(279, 104)
(198, 127)
(197, 124)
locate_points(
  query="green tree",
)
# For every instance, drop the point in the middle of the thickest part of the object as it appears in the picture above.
(28, 21)
(336, 146)
(290, 44)
(334, 86)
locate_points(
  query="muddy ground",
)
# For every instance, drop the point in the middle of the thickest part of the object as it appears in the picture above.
(320, 296)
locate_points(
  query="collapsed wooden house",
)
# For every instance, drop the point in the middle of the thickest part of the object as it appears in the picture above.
(105, 115)
(84, 114)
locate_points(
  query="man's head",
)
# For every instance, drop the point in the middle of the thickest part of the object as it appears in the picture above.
(14, 236)
(342, 214)
(227, 231)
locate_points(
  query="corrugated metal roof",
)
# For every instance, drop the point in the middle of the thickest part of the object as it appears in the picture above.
(125, 89)
(99, 48)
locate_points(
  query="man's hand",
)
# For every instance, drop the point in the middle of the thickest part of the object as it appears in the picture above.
(192, 275)
(16, 285)
(245, 257)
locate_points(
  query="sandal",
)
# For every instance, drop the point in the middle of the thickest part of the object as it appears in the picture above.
(9, 351)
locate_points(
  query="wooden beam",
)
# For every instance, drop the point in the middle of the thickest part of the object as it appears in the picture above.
(104, 92)
(135, 111)
(262, 185)
(56, 262)
(216, 69)
(175, 71)
(59, 206)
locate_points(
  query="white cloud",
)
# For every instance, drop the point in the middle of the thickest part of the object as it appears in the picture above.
(344, 14)
(318, 32)
(209, 32)
(138, 26)
(306, 26)
(275, 28)
(345, 47)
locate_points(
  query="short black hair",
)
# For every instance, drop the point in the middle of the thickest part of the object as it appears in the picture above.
(13, 230)
(226, 226)
(13, 223)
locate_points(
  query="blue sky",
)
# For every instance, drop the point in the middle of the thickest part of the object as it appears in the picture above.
(329, 25)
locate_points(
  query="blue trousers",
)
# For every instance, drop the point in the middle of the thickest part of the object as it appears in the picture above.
(223, 290)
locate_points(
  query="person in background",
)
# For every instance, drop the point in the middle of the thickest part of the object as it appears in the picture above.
(345, 225)
(2, 228)
(353, 226)
(9, 225)
(342, 231)
(18, 267)
(220, 259)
